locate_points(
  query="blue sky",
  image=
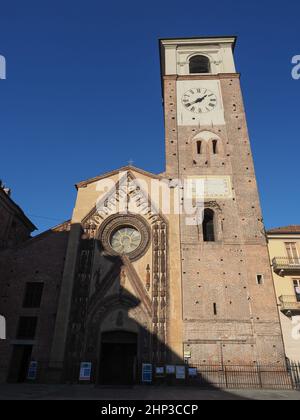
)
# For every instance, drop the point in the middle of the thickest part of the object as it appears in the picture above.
(82, 94)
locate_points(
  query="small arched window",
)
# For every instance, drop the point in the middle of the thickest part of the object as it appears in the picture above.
(199, 64)
(215, 146)
(199, 147)
(208, 226)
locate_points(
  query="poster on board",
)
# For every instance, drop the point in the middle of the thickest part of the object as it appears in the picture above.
(85, 371)
(147, 373)
(170, 369)
(180, 372)
(159, 371)
(32, 370)
(192, 372)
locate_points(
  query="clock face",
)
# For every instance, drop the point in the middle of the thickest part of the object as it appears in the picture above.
(199, 100)
(125, 240)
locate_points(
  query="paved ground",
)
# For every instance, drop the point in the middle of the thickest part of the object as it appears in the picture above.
(88, 392)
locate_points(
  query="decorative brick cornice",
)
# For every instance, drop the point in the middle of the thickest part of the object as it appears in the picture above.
(218, 76)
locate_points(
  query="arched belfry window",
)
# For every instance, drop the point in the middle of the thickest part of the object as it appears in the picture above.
(208, 225)
(215, 147)
(199, 64)
(199, 147)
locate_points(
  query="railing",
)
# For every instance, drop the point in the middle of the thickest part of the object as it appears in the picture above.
(245, 377)
(294, 371)
(289, 303)
(282, 264)
(215, 376)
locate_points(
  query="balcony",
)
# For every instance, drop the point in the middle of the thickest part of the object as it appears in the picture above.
(284, 266)
(289, 304)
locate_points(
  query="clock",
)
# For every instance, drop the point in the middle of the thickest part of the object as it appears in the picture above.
(199, 100)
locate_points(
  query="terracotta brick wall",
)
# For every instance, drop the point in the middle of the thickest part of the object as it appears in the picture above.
(246, 326)
(40, 259)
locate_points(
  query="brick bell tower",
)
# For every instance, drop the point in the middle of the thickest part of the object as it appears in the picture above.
(229, 307)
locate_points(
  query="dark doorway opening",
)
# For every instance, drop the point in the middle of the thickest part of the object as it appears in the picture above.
(19, 363)
(118, 358)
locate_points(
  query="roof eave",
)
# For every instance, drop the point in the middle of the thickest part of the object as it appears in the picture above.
(218, 38)
(127, 168)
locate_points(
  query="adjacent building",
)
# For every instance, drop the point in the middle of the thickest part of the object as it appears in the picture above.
(284, 248)
(15, 230)
(15, 227)
(30, 283)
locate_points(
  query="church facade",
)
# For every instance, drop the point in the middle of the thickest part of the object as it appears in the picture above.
(168, 269)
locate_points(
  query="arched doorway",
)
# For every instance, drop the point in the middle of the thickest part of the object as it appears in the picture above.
(118, 358)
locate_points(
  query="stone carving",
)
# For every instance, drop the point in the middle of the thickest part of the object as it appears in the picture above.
(148, 278)
(159, 291)
(212, 205)
(97, 278)
(127, 194)
(122, 278)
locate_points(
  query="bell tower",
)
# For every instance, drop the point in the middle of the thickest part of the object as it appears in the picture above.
(196, 76)
(229, 313)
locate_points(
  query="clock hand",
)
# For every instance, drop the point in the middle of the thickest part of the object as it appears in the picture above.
(202, 99)
(197, 101)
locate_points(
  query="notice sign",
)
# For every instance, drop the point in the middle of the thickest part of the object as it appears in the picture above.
(85, 371)
(187, 354)
(180, 372)
(32, 371)
(170, 369)
(147, 373)
(192, 372)
(160, 371)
